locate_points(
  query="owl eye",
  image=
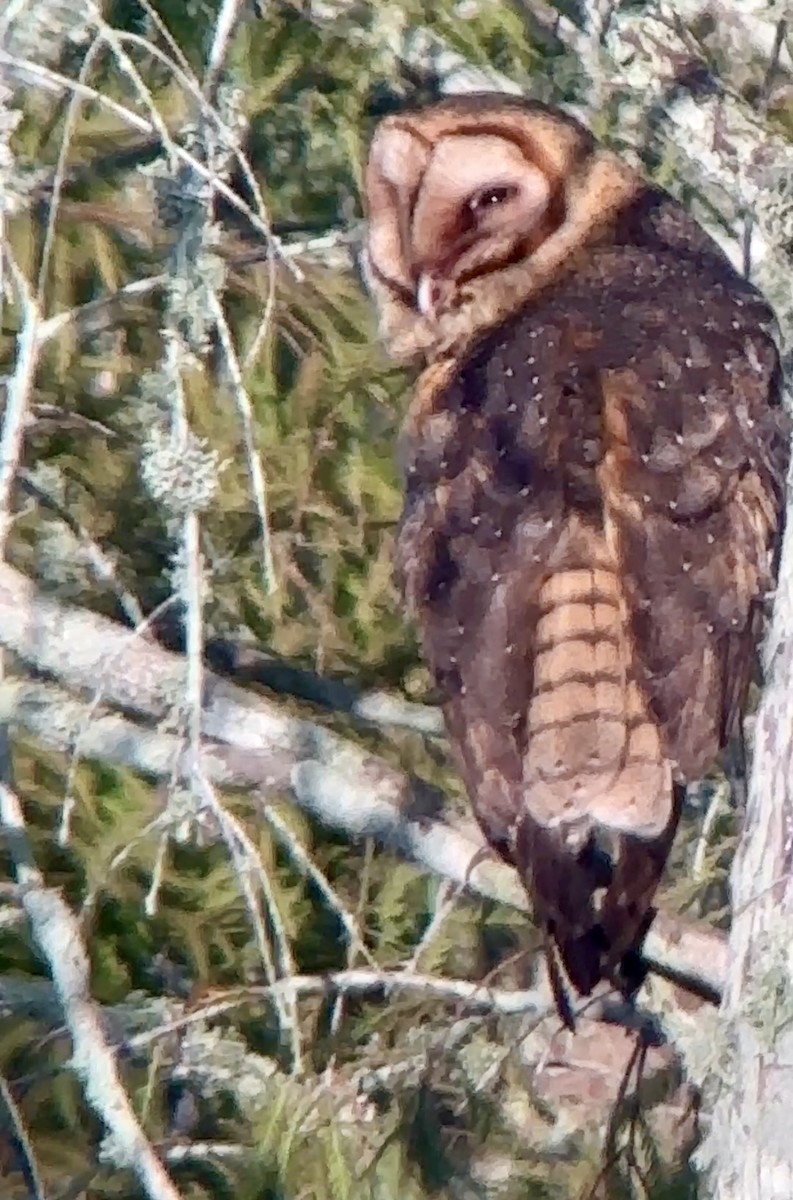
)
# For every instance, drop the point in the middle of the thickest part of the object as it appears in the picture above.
(490, 197)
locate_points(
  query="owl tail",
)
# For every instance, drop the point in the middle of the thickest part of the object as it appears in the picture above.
(594, 750)
(592, 893)
(598, 802)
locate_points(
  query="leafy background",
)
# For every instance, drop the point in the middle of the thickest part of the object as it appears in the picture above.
(397, 1095)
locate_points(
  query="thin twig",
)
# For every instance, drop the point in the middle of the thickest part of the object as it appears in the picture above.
(304, 863)
(536, 1001)
(101, 564)
(717, 798)
(31, 1171)
(248, 866)
(225, 25)
(253, 458)
(18, 394)
(445, 898)
(69, 123)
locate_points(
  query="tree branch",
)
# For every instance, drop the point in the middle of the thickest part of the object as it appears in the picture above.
(57, 934)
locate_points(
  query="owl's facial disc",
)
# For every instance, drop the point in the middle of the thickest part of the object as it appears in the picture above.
(447, 211)
(480, 201)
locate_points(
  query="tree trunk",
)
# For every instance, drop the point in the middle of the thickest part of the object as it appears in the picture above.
(750, 1143)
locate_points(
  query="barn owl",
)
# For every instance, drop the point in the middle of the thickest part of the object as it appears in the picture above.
(594, 461)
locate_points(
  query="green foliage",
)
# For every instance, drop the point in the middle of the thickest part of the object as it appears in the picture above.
(388, 1105)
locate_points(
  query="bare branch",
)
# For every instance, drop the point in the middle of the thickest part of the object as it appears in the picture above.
(57, 934)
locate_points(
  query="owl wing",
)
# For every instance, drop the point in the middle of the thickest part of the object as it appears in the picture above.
(693, 499)
(693, 476)
(473, 594)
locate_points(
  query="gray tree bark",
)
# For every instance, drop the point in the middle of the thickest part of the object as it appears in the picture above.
(750, 1142)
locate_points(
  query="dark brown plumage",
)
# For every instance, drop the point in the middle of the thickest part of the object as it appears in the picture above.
(594, 467)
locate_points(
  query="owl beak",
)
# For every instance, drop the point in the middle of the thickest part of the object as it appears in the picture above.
(427, 295)
(430, 295)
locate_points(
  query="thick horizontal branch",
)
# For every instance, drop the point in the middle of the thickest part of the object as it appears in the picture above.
(255, 744)
(61, 722)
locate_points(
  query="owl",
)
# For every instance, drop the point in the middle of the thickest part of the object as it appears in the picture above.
(594, 460)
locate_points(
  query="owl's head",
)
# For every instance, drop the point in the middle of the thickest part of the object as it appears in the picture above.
(473, 204)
